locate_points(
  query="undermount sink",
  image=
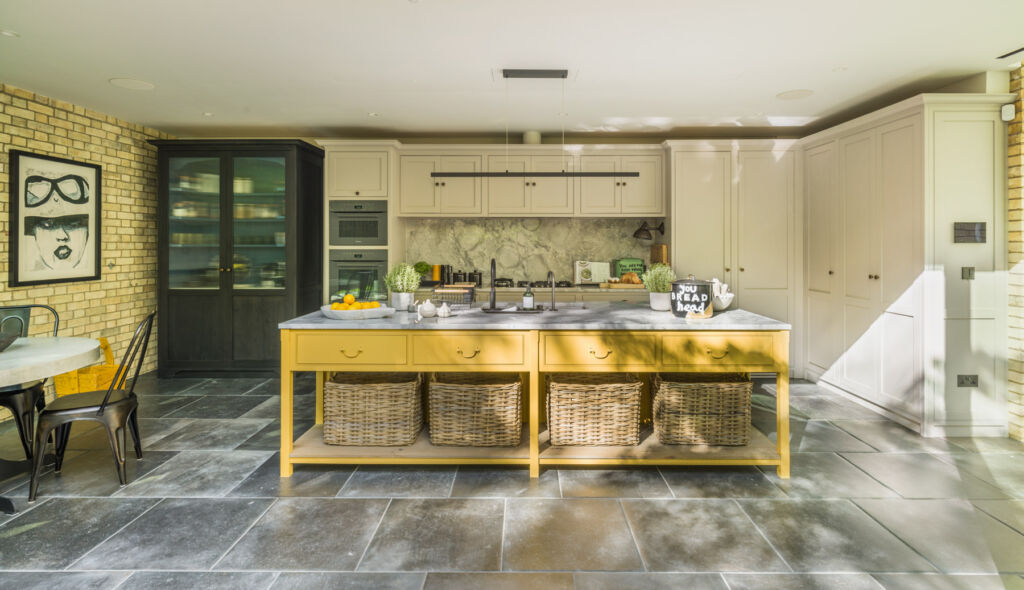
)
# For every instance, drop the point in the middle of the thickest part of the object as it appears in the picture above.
(538, 309)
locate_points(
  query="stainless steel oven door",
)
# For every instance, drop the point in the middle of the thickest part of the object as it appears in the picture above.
(358, 223)
(359, 272)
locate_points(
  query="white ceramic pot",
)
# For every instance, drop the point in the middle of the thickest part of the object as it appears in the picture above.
(401, 301)
(660, 302)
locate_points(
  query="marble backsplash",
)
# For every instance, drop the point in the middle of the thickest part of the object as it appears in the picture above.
(525, 248)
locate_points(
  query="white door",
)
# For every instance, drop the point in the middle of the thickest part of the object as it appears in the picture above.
(861, 215)
(824, 333)
(899, 193)
(357, 174)
(551, 195)
(861, 361)
(417, 191)
(642, 195)
(460, 195)
(599, 195)
(701, 215)
(900, 385)
(764, 219)
(507, 195)
(822, 218)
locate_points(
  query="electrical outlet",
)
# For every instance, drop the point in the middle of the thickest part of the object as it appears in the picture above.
(967, 273)
(966, 380)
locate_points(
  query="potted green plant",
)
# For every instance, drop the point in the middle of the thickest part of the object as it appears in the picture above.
(658, 280)
(402, 281)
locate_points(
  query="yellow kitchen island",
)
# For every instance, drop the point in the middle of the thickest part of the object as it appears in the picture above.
(598, 337)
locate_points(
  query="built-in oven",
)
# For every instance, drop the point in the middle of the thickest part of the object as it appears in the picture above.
(358, 223)
(359, 272)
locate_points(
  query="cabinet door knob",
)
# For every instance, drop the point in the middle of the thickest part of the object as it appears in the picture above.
(727, 269)
(534, 184)
(357, 193)
(442, 184)
(437, 184)
(228, 269)
(742, 269)
(527, 184)
(830, 273)
(623, 184)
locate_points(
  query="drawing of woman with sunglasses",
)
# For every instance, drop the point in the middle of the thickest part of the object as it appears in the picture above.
(57, 215)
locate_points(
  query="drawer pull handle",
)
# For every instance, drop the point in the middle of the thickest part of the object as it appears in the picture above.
(717, 357)
(593, 353)
(476, 351)
(352, 356)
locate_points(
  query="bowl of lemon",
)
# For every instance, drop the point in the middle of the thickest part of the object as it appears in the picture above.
(350, 309)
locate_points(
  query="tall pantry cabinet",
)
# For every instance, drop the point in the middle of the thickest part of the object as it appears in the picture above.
(734, 217)
(892, 316)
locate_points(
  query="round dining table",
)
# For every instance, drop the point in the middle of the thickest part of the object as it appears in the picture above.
(36, 358)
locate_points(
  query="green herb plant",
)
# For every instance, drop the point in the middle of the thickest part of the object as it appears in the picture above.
(658, 278)
(403, 278)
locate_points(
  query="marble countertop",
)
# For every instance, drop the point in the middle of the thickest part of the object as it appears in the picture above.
(569, 316)
(538, 290)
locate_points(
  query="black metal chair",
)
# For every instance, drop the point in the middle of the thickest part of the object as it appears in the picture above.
(24, 398)
(116, 409)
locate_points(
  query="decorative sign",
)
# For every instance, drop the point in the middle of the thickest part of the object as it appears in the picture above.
(968, 232)
(691, 299)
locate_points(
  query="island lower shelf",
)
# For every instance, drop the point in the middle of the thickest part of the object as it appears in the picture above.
(311, 449)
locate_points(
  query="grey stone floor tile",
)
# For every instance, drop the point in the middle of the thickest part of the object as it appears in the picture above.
(304, 383)
(1003, 470)
(158, 406)
(437, 535)
(151, 429)
(220, 406)
(306, 480)
(61, 530)
(699, 536)
(308, 534)
(227, 386)
(268, 438)
(399, 482)
(92, 473)
(652, 581)
(613, 483)
(1012, 582)
(801, 582)
(831, 536)
(204, 580)
(210, 435)
(952, 534)
(177, 534)
(797, 387)
(496, 581)
(810, 435)
(890, 437)
(832, 407)
(348, 581)
(269, 408)
(62, 580)
(940, 582)
(988, 444)
(21, 506)
(920, 475)
(720, 482)
(579, 534)
(1009, 512)
(481, 482)
(197, 473)
(826, 475)
(150, 384)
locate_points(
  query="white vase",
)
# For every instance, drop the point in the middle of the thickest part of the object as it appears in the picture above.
(660, 302)
(401, 301)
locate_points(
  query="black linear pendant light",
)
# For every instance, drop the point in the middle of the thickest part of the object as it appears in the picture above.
(541, 74)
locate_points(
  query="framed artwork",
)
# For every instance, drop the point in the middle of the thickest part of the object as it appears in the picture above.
(55, 220)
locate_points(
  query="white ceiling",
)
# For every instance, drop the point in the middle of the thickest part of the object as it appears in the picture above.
(318, 67)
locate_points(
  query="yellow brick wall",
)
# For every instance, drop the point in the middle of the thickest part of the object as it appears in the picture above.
(1016, 260)
(126, 291)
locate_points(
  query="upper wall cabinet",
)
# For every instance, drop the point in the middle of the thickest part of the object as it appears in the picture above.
(542, 195)
(621, 195)
(421, 194)
(357, 173)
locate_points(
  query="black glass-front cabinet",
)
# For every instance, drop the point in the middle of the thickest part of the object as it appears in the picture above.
(241, 224)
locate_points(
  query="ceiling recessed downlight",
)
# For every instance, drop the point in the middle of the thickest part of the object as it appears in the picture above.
(10, 33)
(372, 114)
(131, 84)
(207, 114)
(794, 94)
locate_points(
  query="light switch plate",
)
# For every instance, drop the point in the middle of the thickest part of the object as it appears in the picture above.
(967, 273)
(966, 380)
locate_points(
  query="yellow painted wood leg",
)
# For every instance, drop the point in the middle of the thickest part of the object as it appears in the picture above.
(534, 407)
(782, 406)
(287, 387)
(320, 378)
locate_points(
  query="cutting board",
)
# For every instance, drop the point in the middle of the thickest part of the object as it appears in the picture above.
(621, 286)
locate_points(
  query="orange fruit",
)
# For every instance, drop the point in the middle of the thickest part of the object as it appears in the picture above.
(349, 298)
(336, 306)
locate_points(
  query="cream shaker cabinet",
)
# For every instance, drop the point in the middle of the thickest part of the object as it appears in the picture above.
(541, 196)
(421, 194)
(357, 174)
(629, 196)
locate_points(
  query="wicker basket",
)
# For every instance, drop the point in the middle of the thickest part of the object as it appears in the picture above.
(593, 409)
(702, 409)
(475, 409)
(372, 409)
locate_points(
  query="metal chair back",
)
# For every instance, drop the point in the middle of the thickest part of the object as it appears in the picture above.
(16, 319)
(133, 357)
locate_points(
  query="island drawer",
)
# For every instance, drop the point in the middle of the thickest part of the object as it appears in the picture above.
(350, 347)
(717, 350)
(468, 349)
(606, 349)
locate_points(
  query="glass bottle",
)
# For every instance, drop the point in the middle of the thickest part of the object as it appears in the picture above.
(528, 298)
